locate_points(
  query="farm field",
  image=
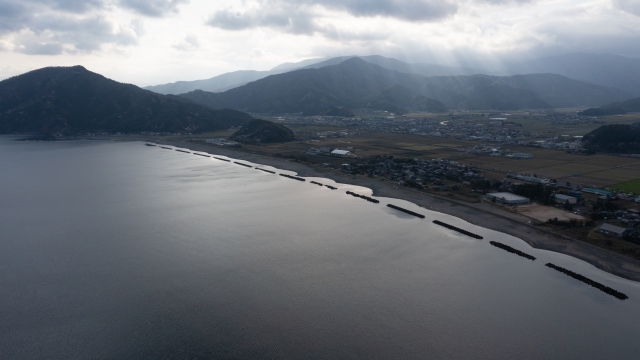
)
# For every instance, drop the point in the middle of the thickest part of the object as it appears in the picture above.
(631, 186)
(600, 170)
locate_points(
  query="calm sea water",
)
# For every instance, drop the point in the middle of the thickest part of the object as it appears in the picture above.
(115, 250)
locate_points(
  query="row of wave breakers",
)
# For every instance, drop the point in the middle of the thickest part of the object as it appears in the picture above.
(507, 248)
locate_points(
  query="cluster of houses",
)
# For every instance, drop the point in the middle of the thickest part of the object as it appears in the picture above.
(331, 152)
(622, 224)
(221, 142)
(412, 171)
(464, 130)
(530, 178)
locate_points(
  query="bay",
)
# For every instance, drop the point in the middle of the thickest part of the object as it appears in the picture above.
(118, 250)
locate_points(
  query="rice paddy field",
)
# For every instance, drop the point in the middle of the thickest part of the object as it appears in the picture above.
(593, 170)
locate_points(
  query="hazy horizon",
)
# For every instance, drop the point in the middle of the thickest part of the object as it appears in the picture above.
(161, 41)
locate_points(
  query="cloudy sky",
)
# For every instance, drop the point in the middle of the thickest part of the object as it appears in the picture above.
(148, 42)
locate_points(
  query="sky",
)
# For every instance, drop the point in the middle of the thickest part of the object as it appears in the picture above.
(148, 42)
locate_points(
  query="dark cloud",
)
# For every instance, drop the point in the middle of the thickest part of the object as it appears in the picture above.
(502, 2)
(630, 6)
(300, 17)
(53, 27)
(153, 8)
(295, 21)
(410, 10)
(73, 6)
(41, 49)
(12, 15)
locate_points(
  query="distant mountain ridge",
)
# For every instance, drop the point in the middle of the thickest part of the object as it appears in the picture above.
(73, 99)
(427, 70)
(235, 79)
(356, 83)
(602, 69)
(631, 105)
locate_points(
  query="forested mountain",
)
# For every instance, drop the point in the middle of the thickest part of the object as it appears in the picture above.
(228, 80)
(602, 69)
(215, 84)
(632, 105)
(401, 66)
(355, 83)
(615, 138)
(235, 79)
(73, 99)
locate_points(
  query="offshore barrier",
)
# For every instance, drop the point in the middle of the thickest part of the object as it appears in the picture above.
(221, 159)
(406, 211)
(331, 187)
(363, 197)
(168, 148)
(462, 231)
(150, 144)
(201, 155)
(183, 151)
(316, 183)
(265, 170)
(511, 250)
(588, 281)
(245, 165)
(293, 177)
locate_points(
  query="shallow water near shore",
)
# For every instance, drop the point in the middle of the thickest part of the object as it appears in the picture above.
(119, 250)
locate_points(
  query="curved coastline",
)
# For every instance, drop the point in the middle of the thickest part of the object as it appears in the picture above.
(537, 238)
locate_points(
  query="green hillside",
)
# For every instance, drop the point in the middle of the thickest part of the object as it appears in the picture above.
(73, 99)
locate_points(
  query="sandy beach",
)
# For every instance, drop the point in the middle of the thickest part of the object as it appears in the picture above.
(481, 214)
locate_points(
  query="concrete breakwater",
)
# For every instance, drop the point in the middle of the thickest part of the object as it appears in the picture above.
(586, 280)
(265, 170)
(511, 250)
(201, 155)
(222, 159)
(150, 144)
(168, 148)
(406, 211)
(331, 187)
(316, 183)
(363, 197)
(249, 166)
(293, 177)
(462, 231)
(183, 151)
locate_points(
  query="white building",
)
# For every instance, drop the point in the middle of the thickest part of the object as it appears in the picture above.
(520, 156)
(508, 198)
(613, 230)
(342, 153)
(564, 199)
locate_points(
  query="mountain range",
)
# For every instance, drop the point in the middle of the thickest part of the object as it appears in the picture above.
(617, 108)
(600, 69)
(234, 79)
(356, 83)
(73, 99)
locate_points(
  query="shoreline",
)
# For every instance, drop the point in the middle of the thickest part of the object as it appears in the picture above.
(480, 214)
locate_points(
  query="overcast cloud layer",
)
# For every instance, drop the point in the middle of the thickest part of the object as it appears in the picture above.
(156, 41)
